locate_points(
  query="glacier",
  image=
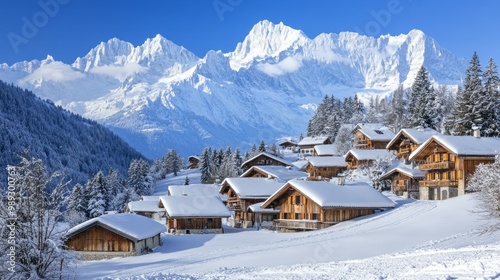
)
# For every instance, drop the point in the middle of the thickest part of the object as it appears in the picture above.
(160, 96)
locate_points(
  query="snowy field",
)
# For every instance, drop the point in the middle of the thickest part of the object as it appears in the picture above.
(416, 240)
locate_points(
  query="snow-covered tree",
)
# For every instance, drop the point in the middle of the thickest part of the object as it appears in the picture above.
(396, 117)
(77, 206)
(139, 179)
(376, 170)
(186, 181)
(205, 166)
(491, 112)
(114, 186)
(96, 189)
(34, 219)
(262, 147)
(423, 109)
(343, 141)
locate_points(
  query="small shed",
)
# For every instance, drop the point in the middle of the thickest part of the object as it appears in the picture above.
(356, 158)
(404, 180)
(146, 208)
(115, 235)
(264, 159)
(324, 168)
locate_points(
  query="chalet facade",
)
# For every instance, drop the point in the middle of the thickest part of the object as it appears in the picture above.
(324, 168)
(264, 159)
(405, 180)
(194, 214)
(311, 205)
(289, 145)
(280, 173)
(449, 160)
(114, 235)
(194, 162)
(357, 158)
(243, 192)
(408, 140)
(263, 216)
(371, 136)
(307, 144)
(146, 208)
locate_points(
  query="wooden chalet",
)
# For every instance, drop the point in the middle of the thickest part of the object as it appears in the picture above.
(404, 180)
(289, 145)
(196, 189)
(194, 214)
(243, 192)
(146, 208)
(263, 216)
(327, 150)
(311, 205)
(449, 160)
(194, 162)
(264, 159)
(407, 140)
(324, 168)
(280, 173)
(358, 158)
(115, 235)
(307, 144)
(371, 136)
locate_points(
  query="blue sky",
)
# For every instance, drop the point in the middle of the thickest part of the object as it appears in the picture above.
(67, 29)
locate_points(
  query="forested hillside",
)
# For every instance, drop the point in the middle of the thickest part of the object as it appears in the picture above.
(64, 141)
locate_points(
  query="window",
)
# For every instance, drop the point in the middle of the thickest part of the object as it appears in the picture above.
(210, 220)
(297, 216)
(297, 199)
(285, 216)
(378, 131)
(314, 216)
(189, 221)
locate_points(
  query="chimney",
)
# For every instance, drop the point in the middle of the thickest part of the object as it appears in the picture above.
(341, 177)
(420, 128)
(476, 133)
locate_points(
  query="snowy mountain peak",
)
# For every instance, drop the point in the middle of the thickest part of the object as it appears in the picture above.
(112, 52)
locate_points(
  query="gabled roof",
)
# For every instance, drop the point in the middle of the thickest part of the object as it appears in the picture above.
(375, 131)
(144, 206)
(275, 158)
(281, 173)
(327, 161)
(150, 198)
(326, 150)
(194, 207)
(406, 169)
(462, 146)
(194, 157)
(251, 188)
(256, 208)
(289, 141)
(317, 140)
(417, 136)
(194, 189)
(331, 195)
(131, 226)
(369, 154)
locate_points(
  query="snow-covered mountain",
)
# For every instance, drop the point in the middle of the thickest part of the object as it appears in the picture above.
(159, 95)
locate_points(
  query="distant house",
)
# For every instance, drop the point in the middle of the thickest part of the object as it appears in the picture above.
(356, 158)
(288, 145)
(448, 161)
(263, 216)
(264, 159)
(407, 140)
(146, 208)
(196, 189)
(307, 144)
(194, 161)
(280, 173)
(404, 180)
(328, 150)
(243, 192)
(323, 168)
(194, 214)
(371, 136)
(115, 235)
(310, 205)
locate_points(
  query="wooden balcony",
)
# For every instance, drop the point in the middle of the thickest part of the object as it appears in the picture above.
(438, 183)
(400, 188)
(299, 224)
(404, 151)
(437, 165)
(234, 203)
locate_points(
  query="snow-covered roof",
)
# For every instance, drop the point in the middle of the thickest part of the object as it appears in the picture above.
(194, 189)
(405, 169)
(194, 157)
(300, 164)
(417, 136)
(256, 208)
(463, 145)
(326, 150)
(291, 141)
(281, 173)
(132, 226)
(370, 154)
(331, 195)
(150, 198)
(327, 161)
(144, 206)
(269, 156)
(376, 132)
(194, 206)
(317, 140)
(251, 187)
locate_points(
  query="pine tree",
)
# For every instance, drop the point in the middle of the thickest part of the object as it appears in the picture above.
(262, 147)
(423, 107)
(114, 186)
(139, 179)
(186, 181)
(205, 166)
(396, 116)
(77, 206)
(97, 192)
(491, 124)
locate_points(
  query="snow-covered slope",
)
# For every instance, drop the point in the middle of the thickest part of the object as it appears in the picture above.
(159, 95)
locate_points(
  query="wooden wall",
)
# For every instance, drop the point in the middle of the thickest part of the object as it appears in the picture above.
(194, 223)
(98, 238)
(324, 172)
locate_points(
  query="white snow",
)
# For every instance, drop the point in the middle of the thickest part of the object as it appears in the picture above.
(257, 208)
(464, 145)
(318, 140)
(376, 131)
(327, 161)
(417, 136)
(370, 154)
(194, 206)
(268, 156)
(145, 206)
(252, 187)
(407, 169)
(326, 150)
(281, 173)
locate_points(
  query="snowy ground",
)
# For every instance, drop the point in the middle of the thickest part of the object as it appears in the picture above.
(416, 240)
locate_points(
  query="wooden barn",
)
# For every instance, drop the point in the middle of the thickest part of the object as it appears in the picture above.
(358, 158)
(408, 140)
(280, 173)
(243, 192)
(264, 159)
(311, 205)
(194, 162)
(404, 180)
(448, 161)
(115, 235)
(194, 214)
(371, 136)
(307, 144)
(324, 168)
